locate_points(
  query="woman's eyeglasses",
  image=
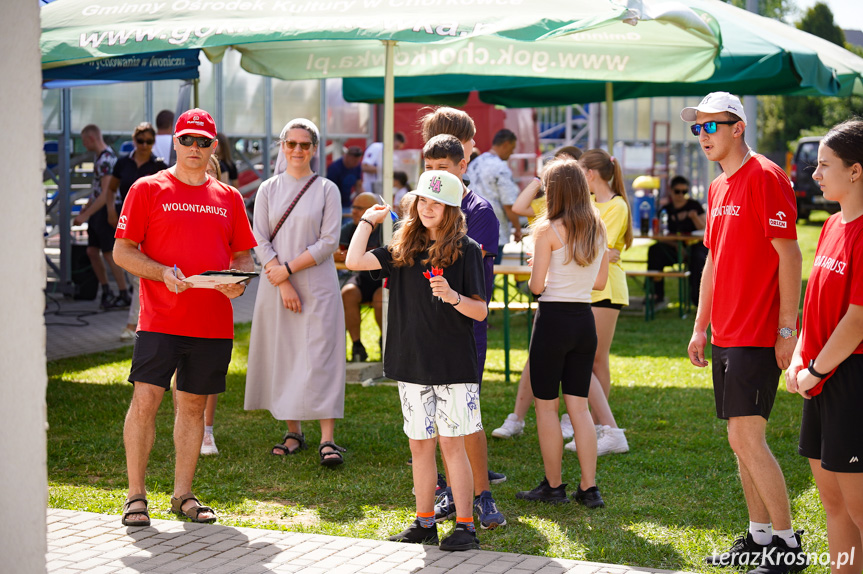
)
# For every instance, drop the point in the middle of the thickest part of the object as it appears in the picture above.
(709, 127)
(305, 146)
(189, 140)
(145, 142)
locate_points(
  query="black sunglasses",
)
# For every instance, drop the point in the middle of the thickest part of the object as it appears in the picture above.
(709, 127)
(680, 191)
(189, 140)
(305, 146)
(145, 142)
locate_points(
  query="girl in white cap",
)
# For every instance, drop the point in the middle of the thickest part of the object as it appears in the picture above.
(436, 293)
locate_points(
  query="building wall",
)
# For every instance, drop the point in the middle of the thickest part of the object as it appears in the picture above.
(23, 480)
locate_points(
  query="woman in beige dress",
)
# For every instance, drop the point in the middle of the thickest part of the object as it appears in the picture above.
(297, 348)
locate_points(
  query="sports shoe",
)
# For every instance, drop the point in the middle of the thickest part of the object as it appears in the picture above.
(416, 534)
(489, 516)
(778, 558)
(496, 477)
(358, 353)
(744, 552)
(460, 539)
(511, 427)
(545, 493)
(121, 301)
(589, 498)
(208, 445)
(107, 299)
(127, 335)
(611, 441)
(566, 426)
(444, 506)
(571, 445)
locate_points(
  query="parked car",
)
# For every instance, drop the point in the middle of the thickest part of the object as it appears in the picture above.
(808, 192)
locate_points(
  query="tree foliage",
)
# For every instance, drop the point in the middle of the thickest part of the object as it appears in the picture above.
(784, 119)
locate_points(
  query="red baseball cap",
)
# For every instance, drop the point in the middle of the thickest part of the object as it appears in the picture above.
(196, 122)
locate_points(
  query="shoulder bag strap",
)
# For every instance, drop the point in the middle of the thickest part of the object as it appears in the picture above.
(291, 206)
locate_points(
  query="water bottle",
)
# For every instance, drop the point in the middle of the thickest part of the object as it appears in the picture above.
(644, 215)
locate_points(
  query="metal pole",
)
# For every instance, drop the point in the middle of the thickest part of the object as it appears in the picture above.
(219, 86)
(64, 190)
(609, 115)
(148, 101)
(750, 103)
(268, 123)
(387, 171)
(322, 126)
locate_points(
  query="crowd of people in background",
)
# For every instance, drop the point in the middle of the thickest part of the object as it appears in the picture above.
(451, 228)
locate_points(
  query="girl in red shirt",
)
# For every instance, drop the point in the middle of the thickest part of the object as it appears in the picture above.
(827, 366)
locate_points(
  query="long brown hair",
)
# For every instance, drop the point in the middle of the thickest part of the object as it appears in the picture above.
(608, 169)
(412, 238)
(569, 202)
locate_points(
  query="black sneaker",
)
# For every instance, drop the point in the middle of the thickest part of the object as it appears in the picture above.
(590, 497)
(122, 301)
(744, 552)
(416, 534)
(358, 353)
(496, 477)
(779, 559)
(444, 506)
(460, 539)
(545, 493)
(107, 299)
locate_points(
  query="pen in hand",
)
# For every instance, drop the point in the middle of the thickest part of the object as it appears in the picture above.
(392, 213)
(175, 276)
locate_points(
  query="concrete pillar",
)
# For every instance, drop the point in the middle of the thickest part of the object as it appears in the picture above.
(23, 476)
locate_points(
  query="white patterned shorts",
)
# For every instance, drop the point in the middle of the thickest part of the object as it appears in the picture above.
(445, 410)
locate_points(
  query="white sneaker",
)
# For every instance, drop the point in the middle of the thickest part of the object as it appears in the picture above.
(511, 427)
(599, 431)
(611, 441)
(208, 445)
(127, 335)
(566, 426)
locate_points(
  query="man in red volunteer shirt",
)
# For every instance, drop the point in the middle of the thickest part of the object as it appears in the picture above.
(178, 223)
(750, 292)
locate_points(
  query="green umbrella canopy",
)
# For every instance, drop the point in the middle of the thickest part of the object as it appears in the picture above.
(303, 39)
(759, 56)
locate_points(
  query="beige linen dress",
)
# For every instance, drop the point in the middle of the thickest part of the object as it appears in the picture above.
(297, 360)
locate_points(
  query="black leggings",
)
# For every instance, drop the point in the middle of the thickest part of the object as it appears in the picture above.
(562, 350)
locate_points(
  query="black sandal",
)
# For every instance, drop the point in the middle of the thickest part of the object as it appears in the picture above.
(128, 512)
(327, 458)
(299, 437)
(193, 512)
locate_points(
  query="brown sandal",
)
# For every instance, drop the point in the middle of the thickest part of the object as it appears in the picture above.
(193, 512)
(299, 437)
(129, 512)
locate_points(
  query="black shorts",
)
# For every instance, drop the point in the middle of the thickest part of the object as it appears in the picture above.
(607, 304)
(745, 380)
(201, 364)
(831, 431)
(366, 285)
(562, 348)
(99, 232)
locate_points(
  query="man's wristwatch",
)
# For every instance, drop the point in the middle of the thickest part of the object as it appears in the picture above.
(786, 332)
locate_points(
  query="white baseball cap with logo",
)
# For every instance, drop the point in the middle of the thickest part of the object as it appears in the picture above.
(440, 186)
(713, 104)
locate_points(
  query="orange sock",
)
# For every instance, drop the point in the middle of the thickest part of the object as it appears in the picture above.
(426, 519)
(467, 522)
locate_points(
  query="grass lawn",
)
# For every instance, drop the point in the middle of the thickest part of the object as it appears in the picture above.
(672, 499)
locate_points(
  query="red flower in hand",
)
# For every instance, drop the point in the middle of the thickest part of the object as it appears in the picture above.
(436, 271)
(427, 275)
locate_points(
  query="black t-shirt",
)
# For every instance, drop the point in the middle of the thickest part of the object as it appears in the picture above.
(430, 342)
(230, 169)
(684, 225)
(128, 172)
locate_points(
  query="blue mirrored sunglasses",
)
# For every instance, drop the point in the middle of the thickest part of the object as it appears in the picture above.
(709, 127)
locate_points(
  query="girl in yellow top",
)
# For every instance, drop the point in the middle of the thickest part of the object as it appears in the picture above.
(605, 179)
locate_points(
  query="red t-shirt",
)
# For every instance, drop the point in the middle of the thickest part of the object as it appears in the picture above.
(196, 228)
(836, 282)
(745, 211)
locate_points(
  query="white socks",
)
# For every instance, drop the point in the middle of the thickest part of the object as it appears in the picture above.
(787, 536)
(208, 430)
(761, 533)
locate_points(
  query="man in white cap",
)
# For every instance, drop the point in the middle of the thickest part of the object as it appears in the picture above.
(178, 223)
(750, 292)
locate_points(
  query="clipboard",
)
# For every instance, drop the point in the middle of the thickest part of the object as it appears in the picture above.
(209, 279)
